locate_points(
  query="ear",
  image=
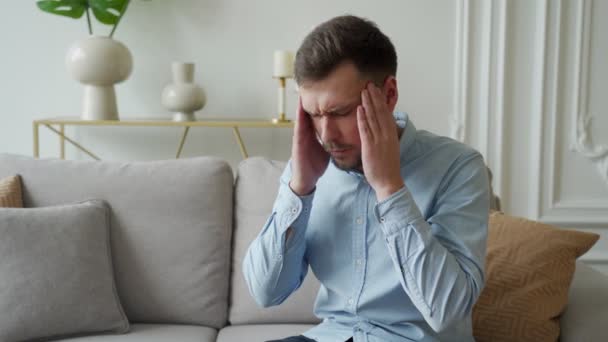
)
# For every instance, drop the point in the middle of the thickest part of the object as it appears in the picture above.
(389, 88)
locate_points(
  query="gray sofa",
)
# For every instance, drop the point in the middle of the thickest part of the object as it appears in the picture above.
(180, 229)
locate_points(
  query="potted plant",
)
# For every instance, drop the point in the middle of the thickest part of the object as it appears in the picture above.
(98, 62)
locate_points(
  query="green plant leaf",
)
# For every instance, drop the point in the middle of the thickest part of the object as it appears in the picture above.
(67, 8)
(108, 11)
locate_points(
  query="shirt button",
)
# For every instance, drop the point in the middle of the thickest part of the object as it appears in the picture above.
(359, 220)
(382, 219)
(279, 257)
(359, 261)
(350, 301)
(294, 210)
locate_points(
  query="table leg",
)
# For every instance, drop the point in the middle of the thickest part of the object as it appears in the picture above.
(62, 142)
(77, 145)
(36, 140)
(239, 140)
(182, 141)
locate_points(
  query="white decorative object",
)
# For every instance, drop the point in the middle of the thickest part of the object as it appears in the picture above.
(183, 96)
(99, 63)
(283, 69)
(283, 64)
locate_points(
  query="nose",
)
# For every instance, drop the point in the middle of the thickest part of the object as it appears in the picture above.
(328, 131)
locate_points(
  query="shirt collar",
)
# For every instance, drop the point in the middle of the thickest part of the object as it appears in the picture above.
(408, 136)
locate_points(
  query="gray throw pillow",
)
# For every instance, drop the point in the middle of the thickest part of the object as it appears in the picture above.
(56, 275)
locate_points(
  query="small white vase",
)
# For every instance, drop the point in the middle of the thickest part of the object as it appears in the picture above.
(183, 97)
(99, 63)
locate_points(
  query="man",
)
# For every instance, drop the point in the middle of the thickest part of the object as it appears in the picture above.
(391, 220)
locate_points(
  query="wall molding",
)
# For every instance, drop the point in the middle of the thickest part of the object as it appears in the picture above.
(595, 258)
(544, 99)
(582, 140)
(580, 116)
(547, 206)
(458, 122)
(479, 88)
(553, 110)
(493, 122)
(480, 82)
(580, 204)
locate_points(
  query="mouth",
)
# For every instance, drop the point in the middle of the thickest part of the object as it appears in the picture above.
(339, 152)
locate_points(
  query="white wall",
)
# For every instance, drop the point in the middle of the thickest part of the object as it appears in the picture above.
(509, 77)
(232, 44)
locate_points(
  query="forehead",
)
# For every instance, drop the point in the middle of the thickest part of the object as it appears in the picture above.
(340, 88)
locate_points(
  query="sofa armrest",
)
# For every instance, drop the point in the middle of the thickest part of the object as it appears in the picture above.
(585, 317)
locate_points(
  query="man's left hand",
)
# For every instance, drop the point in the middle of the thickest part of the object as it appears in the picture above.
(379, 143)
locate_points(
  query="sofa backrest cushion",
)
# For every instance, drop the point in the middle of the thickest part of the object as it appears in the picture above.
(256, 188)
(171, 228)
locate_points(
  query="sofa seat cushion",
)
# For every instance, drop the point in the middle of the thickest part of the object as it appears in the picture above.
(587, 309)
(260, 332)
(156, 333)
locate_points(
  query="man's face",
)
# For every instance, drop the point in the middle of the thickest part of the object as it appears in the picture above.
(332, 105)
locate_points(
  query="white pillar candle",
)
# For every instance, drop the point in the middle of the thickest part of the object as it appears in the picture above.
(283, 63)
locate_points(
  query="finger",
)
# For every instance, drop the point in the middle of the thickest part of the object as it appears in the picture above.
(363, 126)
(370, 115)
(383, 116)
(302, 129)
(299, 118)
(306, 132)
(303, 122)
(376, 96)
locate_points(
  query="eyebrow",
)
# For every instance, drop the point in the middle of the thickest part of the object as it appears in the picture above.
(336, 110)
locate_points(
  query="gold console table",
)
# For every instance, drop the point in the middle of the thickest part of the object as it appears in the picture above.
(57, 125)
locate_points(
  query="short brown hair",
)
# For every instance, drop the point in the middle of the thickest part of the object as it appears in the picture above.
(345, 39)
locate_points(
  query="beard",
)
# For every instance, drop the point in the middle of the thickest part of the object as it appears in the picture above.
(356, 166)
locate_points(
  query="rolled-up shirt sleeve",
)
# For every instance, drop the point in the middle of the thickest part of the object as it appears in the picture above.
(440, 259)
(275, 265)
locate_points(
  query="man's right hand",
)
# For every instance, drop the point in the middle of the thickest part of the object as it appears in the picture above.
(309, 159)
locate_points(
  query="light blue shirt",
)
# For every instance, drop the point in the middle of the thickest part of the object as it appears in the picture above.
(409, 268)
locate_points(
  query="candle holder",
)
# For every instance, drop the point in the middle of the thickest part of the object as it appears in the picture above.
(283, 69)
(281, 105)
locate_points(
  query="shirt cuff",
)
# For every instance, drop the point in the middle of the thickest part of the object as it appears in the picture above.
(292, 211)
(397, 211)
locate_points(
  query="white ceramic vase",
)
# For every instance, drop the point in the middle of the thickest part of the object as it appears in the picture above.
(183, 97)
(99, 63)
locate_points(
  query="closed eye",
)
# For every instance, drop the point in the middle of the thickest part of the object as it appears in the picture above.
(344, 112)
(334, 114)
